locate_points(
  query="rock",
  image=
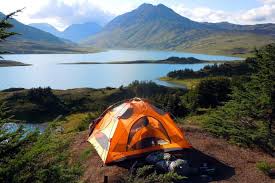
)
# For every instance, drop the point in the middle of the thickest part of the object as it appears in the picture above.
(163, 165)
(59, 129)
(180, 166)
(155, 157)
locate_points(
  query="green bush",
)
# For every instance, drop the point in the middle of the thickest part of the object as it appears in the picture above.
(264, 166)
(47, 160)
(148, 174)
(84, 125)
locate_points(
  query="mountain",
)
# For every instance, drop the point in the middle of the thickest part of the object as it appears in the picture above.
(78, 32)
(28, 33)
(33, 40)
(159, 27)
(47, 28)
(146, 27)
(75, 32)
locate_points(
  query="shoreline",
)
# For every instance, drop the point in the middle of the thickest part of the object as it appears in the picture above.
(166, 61)
(188, 83)
(11, 63)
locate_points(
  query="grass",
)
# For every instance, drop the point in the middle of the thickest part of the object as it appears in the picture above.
(233, 44)
(189, 83)
(78, 122)
(194, 120)
(264, 166)
(86, 153)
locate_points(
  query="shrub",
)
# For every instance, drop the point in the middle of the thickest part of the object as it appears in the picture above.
(212, 92)
(264, 166)
(84, 125)
(148, 174)
(47, 160)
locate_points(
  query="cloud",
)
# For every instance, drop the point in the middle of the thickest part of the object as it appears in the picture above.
(64, 13)
(263, 14)
(202, 14)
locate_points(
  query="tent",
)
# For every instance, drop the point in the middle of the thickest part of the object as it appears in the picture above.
(134, 128)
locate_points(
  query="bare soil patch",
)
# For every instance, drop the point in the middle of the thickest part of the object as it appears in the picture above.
(233, 163)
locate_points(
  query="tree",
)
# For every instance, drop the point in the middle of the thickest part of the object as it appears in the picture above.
(213, 91)
(248, 118)
(5, 25)
(13, 142)
(263, 85)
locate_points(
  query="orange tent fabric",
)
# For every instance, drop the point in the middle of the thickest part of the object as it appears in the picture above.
(133, 128)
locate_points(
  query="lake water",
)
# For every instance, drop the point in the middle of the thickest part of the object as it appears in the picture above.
(28, 127)
(47, 70)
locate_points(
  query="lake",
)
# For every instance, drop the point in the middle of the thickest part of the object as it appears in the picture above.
(47, 70)
(28, 127)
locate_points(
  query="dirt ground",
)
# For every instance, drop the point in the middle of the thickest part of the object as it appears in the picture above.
(233, 164)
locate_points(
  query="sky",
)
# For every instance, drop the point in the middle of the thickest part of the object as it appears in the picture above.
(62, 13)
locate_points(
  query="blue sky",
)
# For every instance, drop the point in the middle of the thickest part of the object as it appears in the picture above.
(62, 13)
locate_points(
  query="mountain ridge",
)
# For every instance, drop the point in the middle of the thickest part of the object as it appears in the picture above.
(159, 27)
(75, 32)
(33, 40)
(46, 27)
(28, 33)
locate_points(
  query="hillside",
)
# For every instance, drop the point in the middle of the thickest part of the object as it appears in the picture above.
(46, 27)
(75, 32)
(159, 27)
(33, 40)
(28, 33)
(78, 32)
(66, 137)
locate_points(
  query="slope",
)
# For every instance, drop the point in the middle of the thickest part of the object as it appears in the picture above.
(33, 40)
(159, 27)
(75, 32)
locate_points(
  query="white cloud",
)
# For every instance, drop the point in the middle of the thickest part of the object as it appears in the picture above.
(262, 14)
(202, 14)
(65, 13)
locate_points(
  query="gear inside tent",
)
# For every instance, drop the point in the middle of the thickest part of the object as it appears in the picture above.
(133, 128)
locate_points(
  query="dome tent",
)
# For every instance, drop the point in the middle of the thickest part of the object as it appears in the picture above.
(133, 128)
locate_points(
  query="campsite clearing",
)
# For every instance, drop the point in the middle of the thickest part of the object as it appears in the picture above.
(213, 150)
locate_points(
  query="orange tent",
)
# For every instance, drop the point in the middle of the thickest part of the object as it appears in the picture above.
(133, 128)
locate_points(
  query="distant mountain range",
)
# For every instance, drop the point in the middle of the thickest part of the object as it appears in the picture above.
(46, 27)
(151, 27)
(159, 27)
(28, 33)
(75, 32)
(34, 40)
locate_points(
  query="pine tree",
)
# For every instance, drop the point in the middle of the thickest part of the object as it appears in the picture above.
(5, 25)
(248, 118)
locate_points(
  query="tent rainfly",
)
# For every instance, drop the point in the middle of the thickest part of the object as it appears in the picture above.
(134, 128)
